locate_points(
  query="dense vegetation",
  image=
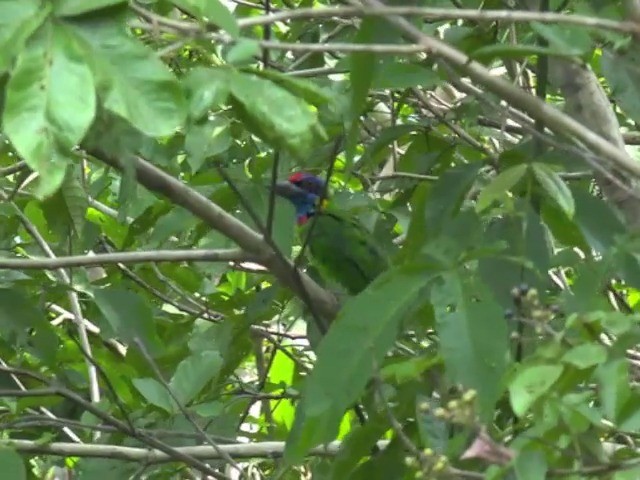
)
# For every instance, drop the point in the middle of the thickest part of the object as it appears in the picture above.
(159, 317)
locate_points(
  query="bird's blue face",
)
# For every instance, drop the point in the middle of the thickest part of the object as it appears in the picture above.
(304, 191)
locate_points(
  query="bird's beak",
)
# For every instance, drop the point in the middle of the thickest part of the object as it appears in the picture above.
(286, 189)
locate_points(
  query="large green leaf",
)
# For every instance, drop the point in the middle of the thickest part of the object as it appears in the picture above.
(155, 393)
(50, 103)
(134, 83)
(78, 7)
(206, 139)
(129, 316)
(193, 373)
(397, 75)
(12, 464)
(599, 222)
(211, 11)
(500, 185)
(18, 316)
(555, 187)
(362, 66)
(473, 336)
(207, 88)
(18, 20)
(530, 383)
(275, 114)
(622, 71)
(565, 39)
(362, 333)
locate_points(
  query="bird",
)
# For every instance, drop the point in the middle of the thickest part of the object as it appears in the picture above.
(341, 248)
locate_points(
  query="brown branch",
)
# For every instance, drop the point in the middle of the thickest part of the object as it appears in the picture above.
(553, 118)
(223, 255)
(158, 181)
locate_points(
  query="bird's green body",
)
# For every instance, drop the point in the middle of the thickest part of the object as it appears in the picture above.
(343, 250)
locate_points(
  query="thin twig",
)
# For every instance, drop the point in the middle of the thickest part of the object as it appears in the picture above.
(101, 259)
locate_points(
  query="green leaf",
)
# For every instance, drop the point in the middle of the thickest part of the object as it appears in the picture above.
(565, 39)
(622, 71)
(362, 66)
(207, 88)
(193, 373)
(243, 51)
(499, 187)
(207, 139)
(155, 393)
(342, 371)
(50, 103)
(613, 387)
(209, 409)
(446, 196)
(129, 316)
(555, 187)
(18, 21)
(275, 114)
(135, 84)
(300, 87)
(395, 75)
(598, 221)
(12, 464)
(531, 464)
(68, 8)
(75, 198)
(630, 474)
(384, 138)
(18, 312)
(473, 336)
(211, 11)
(433, 431)
(586, 355)
(530, 383)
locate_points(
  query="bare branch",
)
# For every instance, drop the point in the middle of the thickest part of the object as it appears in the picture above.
(250, 241)
(553, 118)
(202, 255)
(204, 452)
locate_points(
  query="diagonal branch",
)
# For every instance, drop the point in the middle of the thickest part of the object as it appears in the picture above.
(160, 182)
(553, 118)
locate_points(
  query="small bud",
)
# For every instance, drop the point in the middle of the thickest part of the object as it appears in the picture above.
(523, 288)
(410, 461)
(540, 315)
(509, 314)
(441, 464)
(441, 413)
(424, 407)
(532, 295)
(427, 452)
(470, 395)
(453, 405)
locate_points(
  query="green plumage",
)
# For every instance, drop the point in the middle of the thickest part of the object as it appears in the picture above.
(344, 251)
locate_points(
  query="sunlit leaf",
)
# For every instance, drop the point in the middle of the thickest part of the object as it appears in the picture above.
(530, 383)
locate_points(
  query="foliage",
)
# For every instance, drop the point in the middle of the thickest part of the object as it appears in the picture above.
(147, 299)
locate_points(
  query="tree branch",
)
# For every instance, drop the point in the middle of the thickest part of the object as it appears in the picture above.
(203, 452)
(160, 182)
(101, 259)
(553, 118)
